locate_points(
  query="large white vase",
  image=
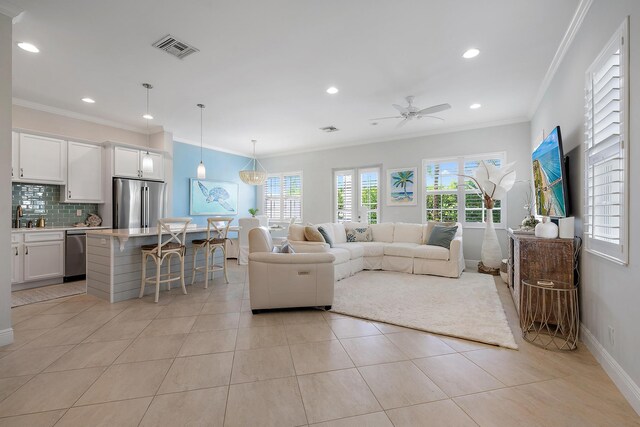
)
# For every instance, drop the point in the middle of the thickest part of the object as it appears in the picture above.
(491, 254)
(546, 229)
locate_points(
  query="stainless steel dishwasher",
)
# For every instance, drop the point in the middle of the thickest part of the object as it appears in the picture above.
(75, 256)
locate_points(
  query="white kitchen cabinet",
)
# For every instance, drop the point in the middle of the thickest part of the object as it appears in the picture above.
(16, 263)
(127, 163)
(42, 159)
(84, 173)
(43, 260)
(15, 155)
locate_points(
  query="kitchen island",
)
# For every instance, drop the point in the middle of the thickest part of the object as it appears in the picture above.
(114, 261)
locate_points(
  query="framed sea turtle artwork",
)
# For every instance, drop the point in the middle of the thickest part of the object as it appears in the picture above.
(401, 187)
(213, 197)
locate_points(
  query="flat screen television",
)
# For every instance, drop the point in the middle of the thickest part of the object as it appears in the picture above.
(550, 177)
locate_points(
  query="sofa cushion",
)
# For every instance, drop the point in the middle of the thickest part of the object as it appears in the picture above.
(296, 233)
(313, 235)
(339, 233)
(342, 255)
(442, 236)
(325, 234)
(382, 232)
(407, 233)
(372, 248)
(431, 252)
(400, 249)
(349, 224)
(359, 234)
(356, 250)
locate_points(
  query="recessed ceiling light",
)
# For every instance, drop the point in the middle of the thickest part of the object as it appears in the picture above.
(471, 53)
(147, 116)
(88, 100)
(28, 47)
(475, 106)
(332, 90)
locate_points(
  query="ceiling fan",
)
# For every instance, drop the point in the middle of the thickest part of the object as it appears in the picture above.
(411, 112)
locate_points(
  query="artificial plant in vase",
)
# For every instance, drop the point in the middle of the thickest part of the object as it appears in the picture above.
(493, 183)
(253, 212)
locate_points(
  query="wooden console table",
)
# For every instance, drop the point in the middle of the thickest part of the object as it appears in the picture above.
(532, 257)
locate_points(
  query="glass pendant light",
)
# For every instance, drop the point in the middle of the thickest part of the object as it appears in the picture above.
(253, 176)
(201, 172)
(147, 161)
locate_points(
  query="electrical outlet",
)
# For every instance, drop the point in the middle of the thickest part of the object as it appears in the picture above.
(612, 337)
(79, 212)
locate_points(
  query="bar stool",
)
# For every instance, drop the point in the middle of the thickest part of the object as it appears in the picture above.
(217, 229)
(173, 246)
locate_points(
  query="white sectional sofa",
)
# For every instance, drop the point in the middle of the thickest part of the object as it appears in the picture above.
(395, 247)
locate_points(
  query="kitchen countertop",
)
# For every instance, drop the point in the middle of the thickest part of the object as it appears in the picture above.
(70, 228)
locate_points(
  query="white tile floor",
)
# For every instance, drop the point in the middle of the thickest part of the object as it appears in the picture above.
(204, 359)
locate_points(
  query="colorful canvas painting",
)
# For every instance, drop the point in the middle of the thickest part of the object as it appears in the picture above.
(213, 197)
(548, 177)
(401, 187)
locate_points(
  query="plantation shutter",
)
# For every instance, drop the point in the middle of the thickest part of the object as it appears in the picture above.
(283, 196)
(344, 209)
(272, 205)
(369, 191)
(292, 196)
(605, 151)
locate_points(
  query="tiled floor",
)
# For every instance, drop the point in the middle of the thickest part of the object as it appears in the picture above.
(204, 359)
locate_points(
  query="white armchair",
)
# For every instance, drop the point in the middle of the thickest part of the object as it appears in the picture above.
(287, 280)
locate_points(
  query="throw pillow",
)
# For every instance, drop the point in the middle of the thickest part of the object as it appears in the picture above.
(313, 235)
(285, 248)
(442, 236)
(326, 236)
(359, 234)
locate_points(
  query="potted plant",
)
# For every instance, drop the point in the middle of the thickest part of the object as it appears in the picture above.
(253, 212)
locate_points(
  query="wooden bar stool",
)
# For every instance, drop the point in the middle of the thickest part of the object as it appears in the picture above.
(217, 229)
(173, 246)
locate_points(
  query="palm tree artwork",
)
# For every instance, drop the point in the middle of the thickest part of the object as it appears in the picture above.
(402, 183)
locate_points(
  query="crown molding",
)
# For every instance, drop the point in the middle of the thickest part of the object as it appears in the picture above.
(212, 147)
(452, 129)
(10, 9)
(79, 116)
(563, 48)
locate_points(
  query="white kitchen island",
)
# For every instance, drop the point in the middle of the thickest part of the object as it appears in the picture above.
(114, 261)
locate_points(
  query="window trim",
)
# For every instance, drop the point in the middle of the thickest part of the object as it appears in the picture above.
(282, 197)
(617, 253)
(355, 189)
(460, 189)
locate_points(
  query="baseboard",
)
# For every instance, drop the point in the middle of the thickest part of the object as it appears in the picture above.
(6, 336)
(620, 378)
(471, 264)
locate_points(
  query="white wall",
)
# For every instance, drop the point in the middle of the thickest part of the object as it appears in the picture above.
(6, 333)
(609, 293)
(317, 169)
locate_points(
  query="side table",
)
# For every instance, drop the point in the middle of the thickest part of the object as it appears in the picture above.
(549, 315)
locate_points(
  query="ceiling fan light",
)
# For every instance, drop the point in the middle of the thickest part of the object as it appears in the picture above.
(201, 173)
(147, 163)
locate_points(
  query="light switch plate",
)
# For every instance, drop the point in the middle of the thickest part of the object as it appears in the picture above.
(79, 212)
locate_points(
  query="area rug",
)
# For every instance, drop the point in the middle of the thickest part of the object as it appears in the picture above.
(46, 293)
(468, 307)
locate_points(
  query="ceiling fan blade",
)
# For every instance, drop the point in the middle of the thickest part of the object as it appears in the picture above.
(402, 123)
(434, 109)
(400, 108)
(392, 117)
(431, 117)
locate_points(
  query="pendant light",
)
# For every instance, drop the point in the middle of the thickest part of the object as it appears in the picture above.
(201, 172)
(253, 176)
(147, 161)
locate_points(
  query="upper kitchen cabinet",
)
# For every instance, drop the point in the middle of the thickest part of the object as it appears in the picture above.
(41, 159)
(127, 163)
(15, 155)
(84, 173)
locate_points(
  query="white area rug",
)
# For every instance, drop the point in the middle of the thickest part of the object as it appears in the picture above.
(46, 293)
(468, 307)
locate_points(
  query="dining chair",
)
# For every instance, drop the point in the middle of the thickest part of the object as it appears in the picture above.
(217, 230)
(176, 229)
(246, 224)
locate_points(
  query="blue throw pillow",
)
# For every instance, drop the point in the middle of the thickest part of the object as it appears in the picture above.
(326, 236)
(442, 236)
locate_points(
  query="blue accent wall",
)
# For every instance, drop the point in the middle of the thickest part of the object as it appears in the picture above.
(220, 166)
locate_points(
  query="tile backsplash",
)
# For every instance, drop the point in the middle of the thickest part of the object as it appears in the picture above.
(44, 200)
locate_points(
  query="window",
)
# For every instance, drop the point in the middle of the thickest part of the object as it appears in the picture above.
(606, 160)
(451, 197)
(356, 195)
(283, 196)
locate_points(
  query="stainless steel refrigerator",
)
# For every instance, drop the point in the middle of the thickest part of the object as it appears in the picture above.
(137, 203)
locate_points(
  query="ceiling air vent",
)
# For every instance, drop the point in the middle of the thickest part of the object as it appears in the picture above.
(329, 129)
(175, 47)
